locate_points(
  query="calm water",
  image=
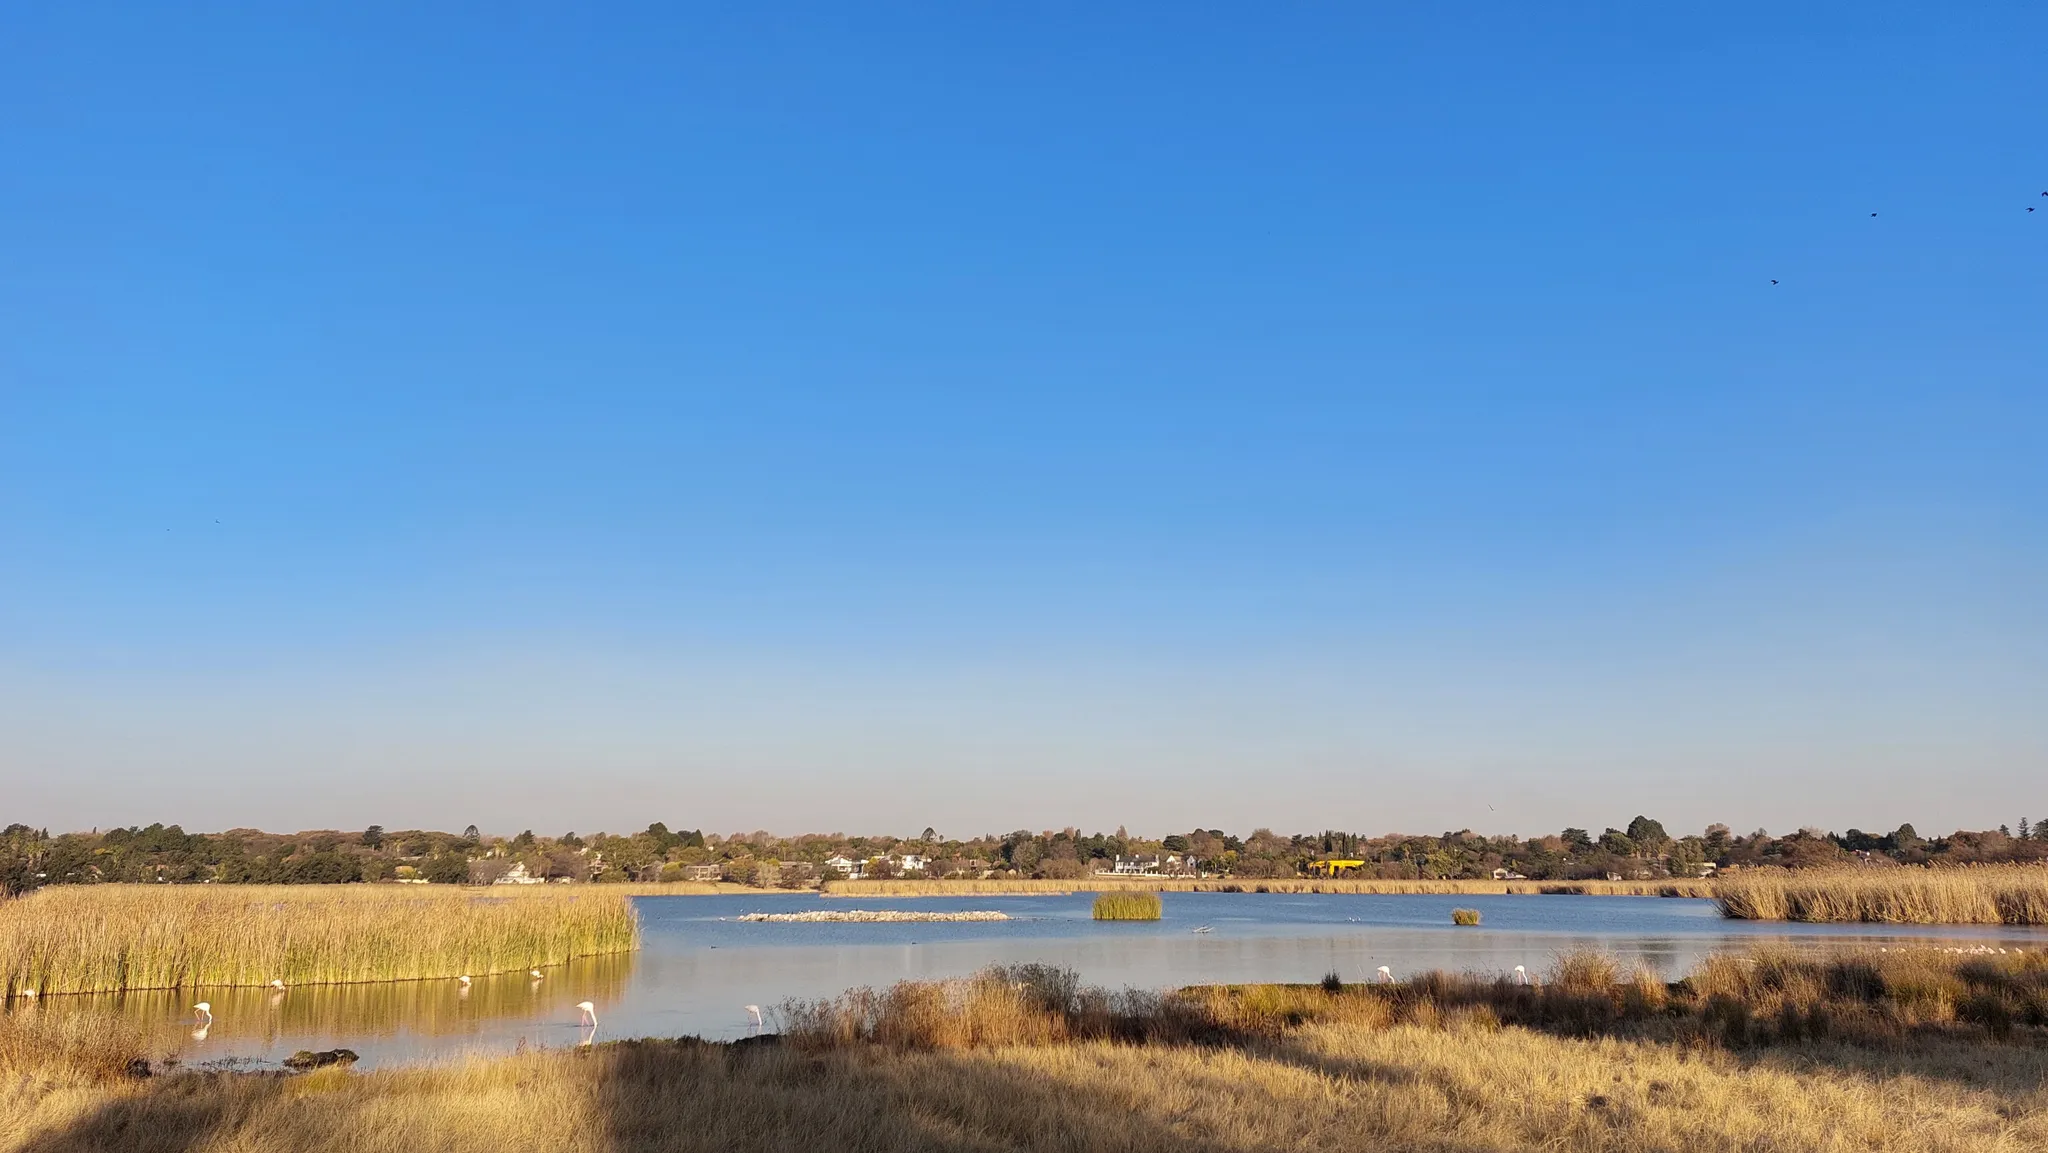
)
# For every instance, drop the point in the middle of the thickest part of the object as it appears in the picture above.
(699, 966)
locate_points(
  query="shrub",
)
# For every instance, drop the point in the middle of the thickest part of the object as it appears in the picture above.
(1464, 916)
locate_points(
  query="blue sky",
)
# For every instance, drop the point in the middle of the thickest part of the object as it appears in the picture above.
(828, 417)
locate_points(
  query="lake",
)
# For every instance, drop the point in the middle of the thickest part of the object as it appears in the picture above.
(699, 965)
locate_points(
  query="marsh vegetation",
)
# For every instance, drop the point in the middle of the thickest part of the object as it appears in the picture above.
(1127, 906)
(1979, 895)
(107, 938)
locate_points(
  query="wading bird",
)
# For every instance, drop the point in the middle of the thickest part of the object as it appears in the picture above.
(589, 1012)
(754, 1011)
(277, 984)
(205, 1011)
(1521, 975)
(1386, 975)
(534, 973)
(464, 979)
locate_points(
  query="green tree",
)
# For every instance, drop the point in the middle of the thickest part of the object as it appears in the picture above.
(1617, 842)
(446, 869)
(373, 837)
(1647, 834)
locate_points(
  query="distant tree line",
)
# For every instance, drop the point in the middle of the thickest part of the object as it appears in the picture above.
(31, 857)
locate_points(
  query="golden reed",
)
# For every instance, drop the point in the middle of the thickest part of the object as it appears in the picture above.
(105, 938)
(1905, 895)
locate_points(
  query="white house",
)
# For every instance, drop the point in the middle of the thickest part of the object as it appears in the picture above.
(910, 863)
(847, 865)
(517, 875)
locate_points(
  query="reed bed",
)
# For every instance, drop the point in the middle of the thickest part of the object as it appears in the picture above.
(1672, 887)
(1980, 895)
(1464, 916)
(1127, 907)
(108, 938)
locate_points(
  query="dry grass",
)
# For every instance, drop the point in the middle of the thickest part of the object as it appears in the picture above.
(74, 1046)
(1982, 895)
(1100, 884)
(1011, 1061)
(1464, 916)
(1127, 907)
(104, 938)
(1767, 998)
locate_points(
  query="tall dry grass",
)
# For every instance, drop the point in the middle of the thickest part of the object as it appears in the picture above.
(1674, 887)
(1981, 895)
(75, 1046)
(106, 938)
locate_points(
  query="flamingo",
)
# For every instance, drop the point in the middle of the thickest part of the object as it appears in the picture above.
(464, 979)
(534, 973)
(278, 985)
(754, 1011)
(28, 992)
(590, 1011)
(1521, 975)
(205, 1012)
(1386, 975)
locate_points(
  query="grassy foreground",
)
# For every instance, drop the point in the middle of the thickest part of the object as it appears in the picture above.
(1024, 1059)
(1982, 895)
(103, 938)
(1027, 886)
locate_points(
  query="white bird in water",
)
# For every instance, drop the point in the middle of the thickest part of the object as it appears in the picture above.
(28, 992)
(589, 1012)
(1202, 929)
(277, 984)
(754, 1011)
(1386, 975)
(205, 1011)
(1521, 975)
(464, 979)
(534, 973)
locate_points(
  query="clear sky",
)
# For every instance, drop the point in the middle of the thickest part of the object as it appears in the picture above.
(870, 416)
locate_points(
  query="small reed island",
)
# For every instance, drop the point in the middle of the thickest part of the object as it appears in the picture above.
(876, 915)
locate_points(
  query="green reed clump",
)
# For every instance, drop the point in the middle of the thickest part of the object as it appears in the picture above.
(1127, 907)
(106, 938)
(1464, 916)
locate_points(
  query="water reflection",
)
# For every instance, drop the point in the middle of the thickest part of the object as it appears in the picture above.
(396, 1020)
